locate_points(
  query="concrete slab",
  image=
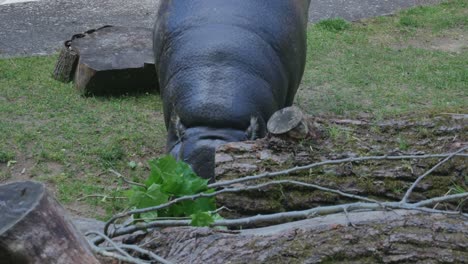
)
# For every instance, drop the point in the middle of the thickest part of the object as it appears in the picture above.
(5, 2)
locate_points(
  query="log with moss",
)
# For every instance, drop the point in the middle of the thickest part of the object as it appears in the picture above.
(340, 139)
(377, 232)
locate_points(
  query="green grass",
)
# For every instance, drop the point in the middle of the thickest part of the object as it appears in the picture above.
(388, 66)
(380, 67)
(52, 132)
(333, 25)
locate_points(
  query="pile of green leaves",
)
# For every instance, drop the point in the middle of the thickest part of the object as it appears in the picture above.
(170, 179)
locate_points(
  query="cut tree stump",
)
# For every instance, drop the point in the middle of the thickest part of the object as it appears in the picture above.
(109, 61)
(66, 65)
(289, 121)
(34, 228)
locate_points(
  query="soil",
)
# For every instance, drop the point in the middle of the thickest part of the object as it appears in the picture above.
(453, 41)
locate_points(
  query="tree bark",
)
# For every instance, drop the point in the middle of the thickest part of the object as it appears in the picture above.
(66, 64)
(395, 236)
(374, 237)
(381, 180)
(34, 228)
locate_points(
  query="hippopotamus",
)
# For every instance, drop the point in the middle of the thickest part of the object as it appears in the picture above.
(224, 67)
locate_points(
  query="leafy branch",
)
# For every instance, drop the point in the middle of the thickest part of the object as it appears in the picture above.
(207, 192)
(169, 180)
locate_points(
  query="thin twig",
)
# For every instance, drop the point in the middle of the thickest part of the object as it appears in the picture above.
(100, 196)
(446, 198)
(420, 178)
(455, 114)
(120, 176)
(120, 247)
(106, 238)
(350, 223)
(447, 193)
(106, 253)
(143, 251)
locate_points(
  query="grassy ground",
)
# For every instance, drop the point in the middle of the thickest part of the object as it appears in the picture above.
(50, 133)
(416, 61)
(413, 63)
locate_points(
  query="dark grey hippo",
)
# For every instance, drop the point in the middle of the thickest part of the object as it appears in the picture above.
(224, 67)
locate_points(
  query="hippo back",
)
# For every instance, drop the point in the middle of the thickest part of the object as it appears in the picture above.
(220, 61)
(224, 67)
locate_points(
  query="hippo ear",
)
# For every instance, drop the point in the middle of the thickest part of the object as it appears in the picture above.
(252, 131)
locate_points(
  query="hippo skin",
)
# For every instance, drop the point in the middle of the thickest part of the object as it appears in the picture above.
(224, 67)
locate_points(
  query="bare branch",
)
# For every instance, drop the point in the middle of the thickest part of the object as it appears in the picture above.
(143, 251)
(299, 215)
(106, 253)
(100, 196)
(235, 190)
(420, 178)
(120, 176)
(124, 255)
(279, 173)
(446, 198)
(119, 247)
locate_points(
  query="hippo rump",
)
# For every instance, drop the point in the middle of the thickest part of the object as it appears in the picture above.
(224, 67)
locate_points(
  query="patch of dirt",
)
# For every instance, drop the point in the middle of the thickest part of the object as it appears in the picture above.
(447, 44)
(454, 40)
(24, 168)
(84, 210)
(20, 169)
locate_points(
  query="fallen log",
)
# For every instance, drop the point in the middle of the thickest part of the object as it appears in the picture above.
(382, 180)
(34, 228)
(364, 237)
(382, 162)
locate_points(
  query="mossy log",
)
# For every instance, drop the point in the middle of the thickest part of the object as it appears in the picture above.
(339, 139)
(34, 228)
(394, 236)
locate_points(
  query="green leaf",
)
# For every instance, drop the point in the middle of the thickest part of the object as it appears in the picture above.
(141, 198)
(132, 164)
(170, 179)
(173, 185)
(149, 216)
(155, 175)
(194, 185)
(134, 194)
(186, 208)
(155, 196)
(202, 219)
